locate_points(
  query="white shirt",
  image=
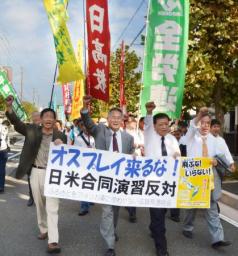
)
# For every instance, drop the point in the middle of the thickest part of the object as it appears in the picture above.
(153, 141)
(140, 137)
(4, 138)
(68, 138)
(222, 147)
(81, 143)
(193, 140)
(181, 141)
(119, 141)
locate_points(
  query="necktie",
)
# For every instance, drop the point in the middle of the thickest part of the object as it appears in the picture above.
(114, 143)
(163, 147)
(204, 147)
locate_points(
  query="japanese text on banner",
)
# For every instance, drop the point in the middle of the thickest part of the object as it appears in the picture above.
(67, 99)
(69, 69)
(116, 179)
(78, 87)
(6, 89)
(165, 56)
(98, 48)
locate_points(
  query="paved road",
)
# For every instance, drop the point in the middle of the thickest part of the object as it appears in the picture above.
(231, 187)
(80, 235)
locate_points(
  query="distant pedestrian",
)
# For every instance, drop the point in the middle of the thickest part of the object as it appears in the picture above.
(4, 146)
(216, 132)
(83, 139)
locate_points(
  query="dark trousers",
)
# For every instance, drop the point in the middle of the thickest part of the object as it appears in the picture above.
(29, 185)
(131, 211)
(84, 206)
(175, 212)
(3, 161)
(157, 227)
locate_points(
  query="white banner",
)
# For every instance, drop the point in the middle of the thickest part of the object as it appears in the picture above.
(105, 177)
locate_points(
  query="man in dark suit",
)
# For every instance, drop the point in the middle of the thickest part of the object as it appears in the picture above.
(110, 138)
(34, 158)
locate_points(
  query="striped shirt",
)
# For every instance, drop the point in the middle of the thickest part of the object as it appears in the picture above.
(43, 153)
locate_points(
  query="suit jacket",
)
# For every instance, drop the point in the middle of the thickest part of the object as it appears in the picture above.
(33, 137)
(103, 135)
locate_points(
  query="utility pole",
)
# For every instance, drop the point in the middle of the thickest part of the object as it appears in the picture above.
(38, 100)
(33, 96)
(21, 91)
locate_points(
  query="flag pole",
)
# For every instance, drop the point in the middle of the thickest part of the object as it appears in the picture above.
(56, 67)
(53, 86)
(85, 53)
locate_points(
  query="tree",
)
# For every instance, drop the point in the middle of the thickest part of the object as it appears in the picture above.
(132, 83)
(2, 103)
(212, 70)
(212, 66)
(132, 79)
(29, 108)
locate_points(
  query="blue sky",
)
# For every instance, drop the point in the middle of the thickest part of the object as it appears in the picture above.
(26, 40)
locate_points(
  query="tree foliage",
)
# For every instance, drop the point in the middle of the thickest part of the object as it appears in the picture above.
(29, 108)
(2, 103)
(212, 70)
(212, 67)
(132, 78)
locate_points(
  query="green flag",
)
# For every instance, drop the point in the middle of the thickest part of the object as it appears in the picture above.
(165, 56)
(6, 89)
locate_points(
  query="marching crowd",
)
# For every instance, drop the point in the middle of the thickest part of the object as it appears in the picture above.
(153, 136)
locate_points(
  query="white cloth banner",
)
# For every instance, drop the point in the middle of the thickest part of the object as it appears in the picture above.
(105, 177)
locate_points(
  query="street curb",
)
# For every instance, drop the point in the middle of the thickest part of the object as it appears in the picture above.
(229, 199)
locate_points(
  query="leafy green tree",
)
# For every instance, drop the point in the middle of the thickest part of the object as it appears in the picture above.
(212, 70)
(2, 103)
(29, 108)
(132, 78)
(212, 67)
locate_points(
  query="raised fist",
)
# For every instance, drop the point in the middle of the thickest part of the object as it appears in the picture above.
(203, 110)
(150, 106)
(87, 99)
(9, 100)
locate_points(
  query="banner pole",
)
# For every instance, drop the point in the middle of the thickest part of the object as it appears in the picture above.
(142, 76)
(53, 86)
(85, 49)
(56, 67)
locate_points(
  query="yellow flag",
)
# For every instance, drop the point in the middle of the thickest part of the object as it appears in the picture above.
(69, 68)
(78, 93)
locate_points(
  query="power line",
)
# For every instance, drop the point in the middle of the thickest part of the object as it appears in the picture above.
(128, 24)
(10, 54)
(137, 35)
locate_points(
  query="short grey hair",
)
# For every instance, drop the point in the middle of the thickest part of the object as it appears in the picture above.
(115, 109)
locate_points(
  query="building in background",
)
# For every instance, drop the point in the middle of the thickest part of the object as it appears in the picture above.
(231, 130)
